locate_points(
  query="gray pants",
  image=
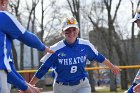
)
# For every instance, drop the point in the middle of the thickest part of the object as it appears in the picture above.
(83, 87)
(137, 75)
(4, 86)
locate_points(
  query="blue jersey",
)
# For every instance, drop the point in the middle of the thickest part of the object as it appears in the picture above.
(11, 29)
(69, 60)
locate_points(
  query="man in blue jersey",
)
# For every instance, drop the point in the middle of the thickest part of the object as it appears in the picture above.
(11, 29)
(69, 61)
(135, 87)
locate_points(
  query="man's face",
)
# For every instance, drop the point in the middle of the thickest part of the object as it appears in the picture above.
(138, 23)
(71, 34)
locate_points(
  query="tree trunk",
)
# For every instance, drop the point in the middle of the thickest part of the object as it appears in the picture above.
(91, 79)
(15, 56)
(40, 54)
(113, 85)
(21, 56)
(32, 58)
(124, 83)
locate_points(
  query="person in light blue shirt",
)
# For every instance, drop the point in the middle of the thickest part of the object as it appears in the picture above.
(69, 61)
(11, 29)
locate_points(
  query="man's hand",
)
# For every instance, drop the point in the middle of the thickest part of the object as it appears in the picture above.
(136, 89)
(47, 50)
(31, 89)
(115, 70)
(137, 77)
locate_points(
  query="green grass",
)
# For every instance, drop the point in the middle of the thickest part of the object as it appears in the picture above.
(107, 90)
(102, 89)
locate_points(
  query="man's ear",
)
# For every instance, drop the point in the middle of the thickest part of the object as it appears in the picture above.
(62, 33)
(77, 30)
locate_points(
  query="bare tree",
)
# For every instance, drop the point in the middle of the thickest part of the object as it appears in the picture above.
(31, 21)
(41, 27)
(49, 25)
(75, 9)
(33, 29)
(110, 36)
(31, 10)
